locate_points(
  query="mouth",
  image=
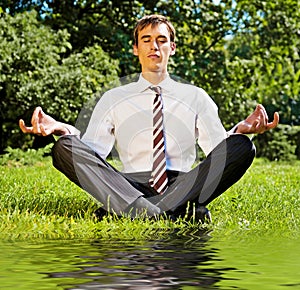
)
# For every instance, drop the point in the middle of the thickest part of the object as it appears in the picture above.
(153, 56)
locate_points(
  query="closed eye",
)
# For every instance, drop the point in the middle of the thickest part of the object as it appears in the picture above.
(160, 39)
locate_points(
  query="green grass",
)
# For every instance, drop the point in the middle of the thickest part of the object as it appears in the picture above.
(265, 200)
(38, 202)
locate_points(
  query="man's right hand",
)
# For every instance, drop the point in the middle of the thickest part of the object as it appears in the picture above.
(43, 125)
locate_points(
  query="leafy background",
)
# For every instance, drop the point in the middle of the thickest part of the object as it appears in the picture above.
(58, 54)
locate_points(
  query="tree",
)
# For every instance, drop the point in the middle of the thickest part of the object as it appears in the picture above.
(263, 57)
(240, 52)
(34, 73)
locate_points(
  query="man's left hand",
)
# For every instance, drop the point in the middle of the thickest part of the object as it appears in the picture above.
(257, 122)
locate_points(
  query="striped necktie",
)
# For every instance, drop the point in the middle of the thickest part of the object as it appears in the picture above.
(159, 179)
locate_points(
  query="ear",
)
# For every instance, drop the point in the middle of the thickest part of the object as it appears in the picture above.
(135, 50)
(173, 48)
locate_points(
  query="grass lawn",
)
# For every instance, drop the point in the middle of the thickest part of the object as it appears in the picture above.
(38, 202)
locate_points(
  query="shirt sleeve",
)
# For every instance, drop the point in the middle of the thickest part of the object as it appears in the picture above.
(99, 134)
(208, 124)
(232, 131)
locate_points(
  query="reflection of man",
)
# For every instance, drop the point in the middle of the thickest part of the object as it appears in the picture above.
(172, 264)
(124, 117)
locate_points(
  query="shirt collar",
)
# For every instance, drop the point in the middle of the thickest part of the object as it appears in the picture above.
(142, 84)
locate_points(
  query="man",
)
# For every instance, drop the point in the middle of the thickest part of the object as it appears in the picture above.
(154, 124)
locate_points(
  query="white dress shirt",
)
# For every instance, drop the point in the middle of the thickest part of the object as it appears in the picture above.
(123, 117)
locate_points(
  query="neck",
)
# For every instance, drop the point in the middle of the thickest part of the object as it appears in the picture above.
(154, 77)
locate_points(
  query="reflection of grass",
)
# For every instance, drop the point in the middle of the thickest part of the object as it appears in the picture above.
(39, 202)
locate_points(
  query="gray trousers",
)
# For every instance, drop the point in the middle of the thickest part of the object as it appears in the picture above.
(126, 193)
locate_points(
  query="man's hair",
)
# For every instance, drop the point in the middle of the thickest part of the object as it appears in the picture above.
(153, 20)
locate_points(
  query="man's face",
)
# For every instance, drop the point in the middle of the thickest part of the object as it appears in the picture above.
(154, 48)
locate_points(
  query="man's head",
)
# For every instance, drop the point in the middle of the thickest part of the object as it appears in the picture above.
(153, 20)
(154, 43)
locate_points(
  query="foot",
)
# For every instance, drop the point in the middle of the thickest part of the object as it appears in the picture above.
(200, 213)
(100, 213)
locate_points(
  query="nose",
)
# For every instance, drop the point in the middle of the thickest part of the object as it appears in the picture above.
(154, 45)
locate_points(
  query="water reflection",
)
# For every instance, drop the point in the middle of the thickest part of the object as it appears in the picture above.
(168, 264)
(178, 262)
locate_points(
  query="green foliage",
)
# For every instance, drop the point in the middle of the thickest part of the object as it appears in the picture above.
(282, 143)
(17, 157)
(263, 57)
(241, 53)
(35, 72)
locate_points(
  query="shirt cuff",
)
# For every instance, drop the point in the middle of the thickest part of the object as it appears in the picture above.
(233, 131)
(72, 131)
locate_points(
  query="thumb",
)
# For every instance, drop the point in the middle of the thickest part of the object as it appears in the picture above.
(22, 125)
(275, 121)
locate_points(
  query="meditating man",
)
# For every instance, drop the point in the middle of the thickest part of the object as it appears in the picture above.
(155, 124)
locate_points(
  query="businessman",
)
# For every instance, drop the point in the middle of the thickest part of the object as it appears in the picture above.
(155, 124)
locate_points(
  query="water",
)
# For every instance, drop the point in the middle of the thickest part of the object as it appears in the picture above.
(257, 263)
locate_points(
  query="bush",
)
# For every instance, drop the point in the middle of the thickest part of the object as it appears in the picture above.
(38, 68)
(18, 157)
(281, 143)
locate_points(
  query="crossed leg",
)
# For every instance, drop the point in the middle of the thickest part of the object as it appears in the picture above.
(122, 193)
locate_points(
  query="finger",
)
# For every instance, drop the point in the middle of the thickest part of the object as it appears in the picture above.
(23, 127)
(43, 131)
(275, 122)
(35, 114)
(276, 118)
(259, 126)
(255, 126)
(35, 120)
(262, 108)
(259, 119)
(262, 114)
(259, 122)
